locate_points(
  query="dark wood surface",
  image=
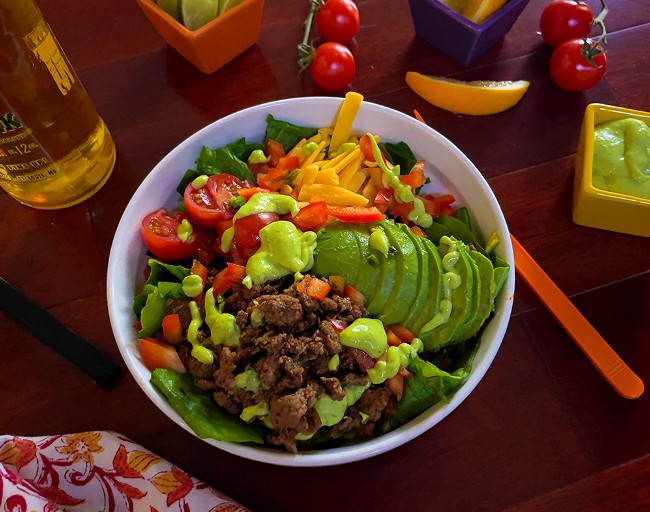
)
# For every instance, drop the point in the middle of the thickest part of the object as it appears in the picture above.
(542, 431)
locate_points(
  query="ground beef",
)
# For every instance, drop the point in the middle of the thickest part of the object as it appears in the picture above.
(289, 339)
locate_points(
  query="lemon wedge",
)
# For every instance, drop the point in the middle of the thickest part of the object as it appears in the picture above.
(479, 98)
(197, 13)
(480, 10)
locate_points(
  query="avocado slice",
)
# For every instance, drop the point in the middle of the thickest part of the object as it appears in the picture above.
(402, 296)
(337, 253)
(434, 291)
(459, 298)
(370, 265)
(475, 298)
(422, 291)
(488, 293)
(385, 280)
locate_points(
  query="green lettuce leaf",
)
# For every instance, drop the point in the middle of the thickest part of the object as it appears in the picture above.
(204, 417)
(399, 153)
(428, 385)
(286, 133)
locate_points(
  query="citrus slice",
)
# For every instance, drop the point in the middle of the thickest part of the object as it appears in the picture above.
(197, 13)
(456, 5)
(480, 10)
(479, 98)
(171, 7)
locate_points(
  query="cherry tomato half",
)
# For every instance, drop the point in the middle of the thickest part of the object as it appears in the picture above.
(210, 204)
(570, 68)
(160, 235)
(562, 20)
(338, 20)
(333, 67)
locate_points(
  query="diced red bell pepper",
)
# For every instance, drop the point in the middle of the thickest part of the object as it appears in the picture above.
(338, 324)
(358, 214)
(355, 296)
(249, 192)
(415, 178)
(417, 231)
(172, 330)
(434, 206)
(393, 339)
(402, 332)
(383, 199)
(310, 217)
(274, 179)
(224, 280)
(288, 163)
(366, 148)
(313, 287)
(396, 385)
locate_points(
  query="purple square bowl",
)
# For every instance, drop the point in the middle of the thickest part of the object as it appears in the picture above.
(456, 36)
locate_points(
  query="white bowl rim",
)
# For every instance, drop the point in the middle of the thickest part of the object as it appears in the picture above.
(345, 454)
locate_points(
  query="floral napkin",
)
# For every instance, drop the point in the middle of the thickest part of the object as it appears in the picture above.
(97, 471)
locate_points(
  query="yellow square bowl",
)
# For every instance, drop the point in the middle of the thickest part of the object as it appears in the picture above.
(215, 43)
(597, 208)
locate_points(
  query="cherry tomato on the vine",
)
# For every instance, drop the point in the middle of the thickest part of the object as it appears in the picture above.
(333, 67)
(562, 20)
(338, 20)
(570, 68)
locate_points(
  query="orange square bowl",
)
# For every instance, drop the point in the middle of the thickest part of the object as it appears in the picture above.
(215, 43)
(597, 208)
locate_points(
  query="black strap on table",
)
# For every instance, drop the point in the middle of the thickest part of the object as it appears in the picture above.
(86, 357)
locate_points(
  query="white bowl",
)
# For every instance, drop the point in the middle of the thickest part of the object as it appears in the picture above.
(447, 167)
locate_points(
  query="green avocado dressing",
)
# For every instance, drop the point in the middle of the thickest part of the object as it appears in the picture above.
(184, 230)
(379, 241)
(622, 157)
(331, 411)
(450, 281)
(395, 357)
(367, 334)
(199, 352)
(284, 250)
(402, 193)
(192, 285)
(223, 326)
(260, 203)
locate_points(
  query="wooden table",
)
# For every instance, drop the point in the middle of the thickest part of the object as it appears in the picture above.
(542, 431)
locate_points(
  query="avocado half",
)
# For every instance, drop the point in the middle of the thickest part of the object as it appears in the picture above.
(412, 285)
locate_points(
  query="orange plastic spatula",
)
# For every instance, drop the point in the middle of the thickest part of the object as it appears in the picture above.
(592, 344)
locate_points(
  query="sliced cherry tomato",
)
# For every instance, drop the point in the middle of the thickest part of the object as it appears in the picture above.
(160, 235)
(562, 20)
(172, 330)
(401, 211)
(401, 331)
(570, 65)
(355, 213)
(247, 229)
(210, 204)
(338, 20)
(396, 385)
(233, 273)
(310, 217)
(156, 354)
(274, 150)
(393, 339)
(333, 67)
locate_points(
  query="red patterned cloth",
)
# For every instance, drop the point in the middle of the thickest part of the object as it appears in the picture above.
(98, 472)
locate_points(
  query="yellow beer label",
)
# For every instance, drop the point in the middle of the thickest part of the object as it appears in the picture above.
(43, 45)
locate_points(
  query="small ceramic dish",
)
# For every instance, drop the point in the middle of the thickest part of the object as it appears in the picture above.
(214, 44)
(456, 36)
(598, 208)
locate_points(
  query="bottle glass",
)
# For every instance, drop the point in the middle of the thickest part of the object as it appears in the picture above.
(55, 150)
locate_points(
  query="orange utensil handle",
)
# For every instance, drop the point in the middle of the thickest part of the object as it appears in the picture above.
(592, 344)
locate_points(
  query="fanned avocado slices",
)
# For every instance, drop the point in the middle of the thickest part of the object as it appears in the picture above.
(414, 283)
